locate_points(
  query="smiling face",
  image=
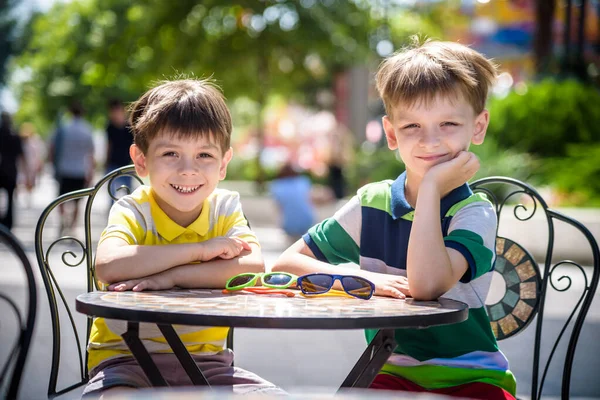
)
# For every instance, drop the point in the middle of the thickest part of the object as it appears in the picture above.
(183, 172)
(427, 134)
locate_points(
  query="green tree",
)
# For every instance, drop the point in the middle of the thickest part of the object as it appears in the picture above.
(97, 49)
(7, 36)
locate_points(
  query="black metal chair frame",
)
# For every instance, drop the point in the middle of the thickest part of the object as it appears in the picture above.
(12, 370)
(521, 212)
(53, 291)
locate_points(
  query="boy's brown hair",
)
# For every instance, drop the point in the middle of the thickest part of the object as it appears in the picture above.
(185, 108)
(423, 71)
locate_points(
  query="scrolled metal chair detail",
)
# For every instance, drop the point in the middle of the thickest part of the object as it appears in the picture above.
(527, 285)
(11, 369)
(83, 256)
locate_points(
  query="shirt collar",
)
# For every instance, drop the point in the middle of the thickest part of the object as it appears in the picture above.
(401, 207)
(169, 229)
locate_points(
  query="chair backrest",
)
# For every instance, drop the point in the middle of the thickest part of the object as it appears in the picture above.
(12, 369)
(526, 284)
(59, 305)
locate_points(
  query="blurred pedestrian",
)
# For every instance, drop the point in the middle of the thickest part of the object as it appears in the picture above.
(11, 154)
(340, 156)
(72, 153)
(118, 141)
(292, 192)
(34, 153)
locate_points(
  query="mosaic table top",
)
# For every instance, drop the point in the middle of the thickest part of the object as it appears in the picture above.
(212, 307)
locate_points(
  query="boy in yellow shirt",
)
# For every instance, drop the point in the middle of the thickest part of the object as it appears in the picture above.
(182, 133)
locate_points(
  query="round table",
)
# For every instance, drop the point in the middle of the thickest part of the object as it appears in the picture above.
(250, 310)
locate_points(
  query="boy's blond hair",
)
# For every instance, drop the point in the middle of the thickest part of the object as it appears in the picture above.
(185, 108)
(423, 71)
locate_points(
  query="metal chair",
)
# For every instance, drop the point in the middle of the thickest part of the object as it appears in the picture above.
(56, 297)
(527, 285)
(12, 369)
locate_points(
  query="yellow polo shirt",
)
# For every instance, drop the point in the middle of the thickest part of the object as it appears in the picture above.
(139, 220)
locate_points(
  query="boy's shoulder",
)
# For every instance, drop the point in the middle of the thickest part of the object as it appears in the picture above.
(223, 201)
(475, 200)
(374, 190)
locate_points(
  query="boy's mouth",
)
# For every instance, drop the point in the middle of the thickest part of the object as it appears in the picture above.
(432, 157)
(185, 189)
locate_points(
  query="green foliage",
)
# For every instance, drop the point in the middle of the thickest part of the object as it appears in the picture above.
(244, 169)
(7, 36)
(373, 165)
(98, 49)
(577, 174)
(498, 161)
(547, 118)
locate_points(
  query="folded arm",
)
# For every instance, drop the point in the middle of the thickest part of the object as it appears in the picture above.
(117, 260)
(208, 275)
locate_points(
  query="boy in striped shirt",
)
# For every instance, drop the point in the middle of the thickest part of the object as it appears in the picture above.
(181, 230)
(425, 234)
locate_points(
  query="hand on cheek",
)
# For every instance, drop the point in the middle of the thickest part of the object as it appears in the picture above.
(453, 173)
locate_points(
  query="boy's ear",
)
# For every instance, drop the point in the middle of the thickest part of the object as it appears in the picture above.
(390, 133)
(226, 158)
(481, 123)
(139, 160)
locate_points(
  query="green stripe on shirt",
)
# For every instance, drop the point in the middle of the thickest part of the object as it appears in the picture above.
(469, 200)
(438, 376)
(474, 244)
(376, 195)
(445, 341)
(334, 242)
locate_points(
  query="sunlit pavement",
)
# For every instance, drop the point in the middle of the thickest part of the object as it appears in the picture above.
(294, 360)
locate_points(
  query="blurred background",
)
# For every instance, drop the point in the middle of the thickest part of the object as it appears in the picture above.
(298, 76)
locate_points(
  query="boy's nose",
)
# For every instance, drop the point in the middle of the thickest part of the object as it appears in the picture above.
(430, 138)
(188, 167)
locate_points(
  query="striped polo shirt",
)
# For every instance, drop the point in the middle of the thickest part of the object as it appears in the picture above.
(139, 220)
(372, 230)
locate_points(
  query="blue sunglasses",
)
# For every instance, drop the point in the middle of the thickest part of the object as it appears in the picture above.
(318, 283)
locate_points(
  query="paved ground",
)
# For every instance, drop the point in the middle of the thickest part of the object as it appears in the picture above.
(296, 360)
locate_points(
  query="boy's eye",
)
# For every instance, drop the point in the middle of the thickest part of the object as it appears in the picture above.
(204, 155)
(449, 124)
(169, 154)
(410, 126)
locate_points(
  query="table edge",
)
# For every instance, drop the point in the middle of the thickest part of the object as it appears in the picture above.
(321, 323)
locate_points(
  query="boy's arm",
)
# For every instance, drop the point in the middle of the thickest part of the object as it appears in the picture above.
(432, 268)
(299, 259)
(117, 260)
(208, 275)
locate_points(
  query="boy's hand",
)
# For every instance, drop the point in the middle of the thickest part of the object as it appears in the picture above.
(451, 174)
(160, 281)
(222, 247)
(391, 286)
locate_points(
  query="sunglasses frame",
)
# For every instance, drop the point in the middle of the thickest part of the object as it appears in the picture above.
(335, 278)
(261, 275)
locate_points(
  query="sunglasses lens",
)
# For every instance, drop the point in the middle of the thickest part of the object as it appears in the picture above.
(357, 287)
(239, 280)
(317, 283)
(277, 279)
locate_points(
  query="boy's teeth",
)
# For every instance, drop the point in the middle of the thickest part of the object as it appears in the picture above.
(185, 189)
